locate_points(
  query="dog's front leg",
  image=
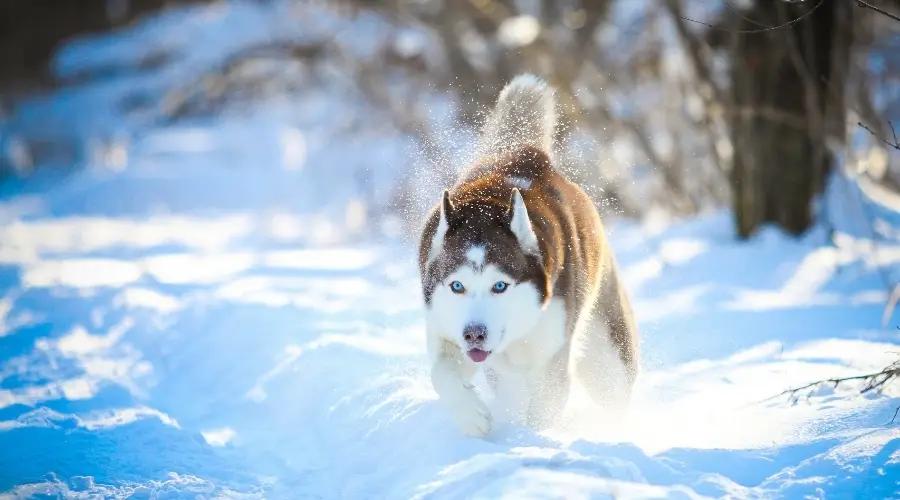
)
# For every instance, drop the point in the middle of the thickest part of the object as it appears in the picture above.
(451, 375)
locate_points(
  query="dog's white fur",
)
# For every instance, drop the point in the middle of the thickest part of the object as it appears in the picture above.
(525, 115)
(521, 356)
(525, 339)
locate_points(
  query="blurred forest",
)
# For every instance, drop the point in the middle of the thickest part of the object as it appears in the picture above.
(673, 106)
(30, 32)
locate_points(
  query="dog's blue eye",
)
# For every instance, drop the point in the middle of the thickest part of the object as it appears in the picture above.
(499, 287)
(457, 287)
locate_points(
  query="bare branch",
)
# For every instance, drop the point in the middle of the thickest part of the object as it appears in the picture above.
(694, 50)
(866, 5)
(873, 382)
(763, 30)
(745, 18)
(895, 144)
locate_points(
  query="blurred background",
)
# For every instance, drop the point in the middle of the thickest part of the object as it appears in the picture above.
(195, 194)
(668, 107)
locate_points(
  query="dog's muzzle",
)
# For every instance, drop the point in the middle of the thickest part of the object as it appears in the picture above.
(475, 335)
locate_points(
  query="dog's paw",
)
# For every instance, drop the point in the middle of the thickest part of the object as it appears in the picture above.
(470, 413)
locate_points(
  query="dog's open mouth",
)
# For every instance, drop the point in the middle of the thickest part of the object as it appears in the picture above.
(478, 355)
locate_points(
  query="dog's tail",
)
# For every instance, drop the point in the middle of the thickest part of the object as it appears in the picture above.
(525, 115)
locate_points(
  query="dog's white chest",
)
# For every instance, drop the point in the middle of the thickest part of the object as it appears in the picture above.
(514, 372)
(512, 379)
(511, 389)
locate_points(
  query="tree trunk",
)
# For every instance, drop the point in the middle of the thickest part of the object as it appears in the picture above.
(787, 88)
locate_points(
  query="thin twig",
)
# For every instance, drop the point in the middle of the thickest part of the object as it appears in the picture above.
(761, 30)
(883, 12)
(875, 381)
(895, 145)
(745, 18)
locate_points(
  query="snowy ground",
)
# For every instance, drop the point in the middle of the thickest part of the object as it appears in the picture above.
(203, 323)
(186, 354)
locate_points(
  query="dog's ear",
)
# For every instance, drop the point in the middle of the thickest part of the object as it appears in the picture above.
(446, 213)
(520, 224)
(446, 208)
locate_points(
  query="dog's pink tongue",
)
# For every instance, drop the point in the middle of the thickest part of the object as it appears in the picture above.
(477, 355)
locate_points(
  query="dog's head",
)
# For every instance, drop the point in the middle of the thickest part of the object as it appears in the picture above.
(484, 280)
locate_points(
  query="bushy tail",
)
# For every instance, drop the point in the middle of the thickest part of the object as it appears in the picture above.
(525, 115)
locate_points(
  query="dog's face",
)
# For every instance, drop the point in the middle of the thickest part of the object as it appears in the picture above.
(485, 284)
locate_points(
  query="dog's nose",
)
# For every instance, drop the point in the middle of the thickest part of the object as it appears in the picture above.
(474, 334)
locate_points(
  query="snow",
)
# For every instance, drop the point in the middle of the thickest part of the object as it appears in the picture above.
(213, 320)
(518, 31)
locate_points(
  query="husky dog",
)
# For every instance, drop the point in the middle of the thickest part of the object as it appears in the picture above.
(518, 277)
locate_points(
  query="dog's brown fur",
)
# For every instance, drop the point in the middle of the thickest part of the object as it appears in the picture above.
(558, 247)
(575, 255)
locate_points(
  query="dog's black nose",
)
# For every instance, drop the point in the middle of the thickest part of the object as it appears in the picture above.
(474, 334)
